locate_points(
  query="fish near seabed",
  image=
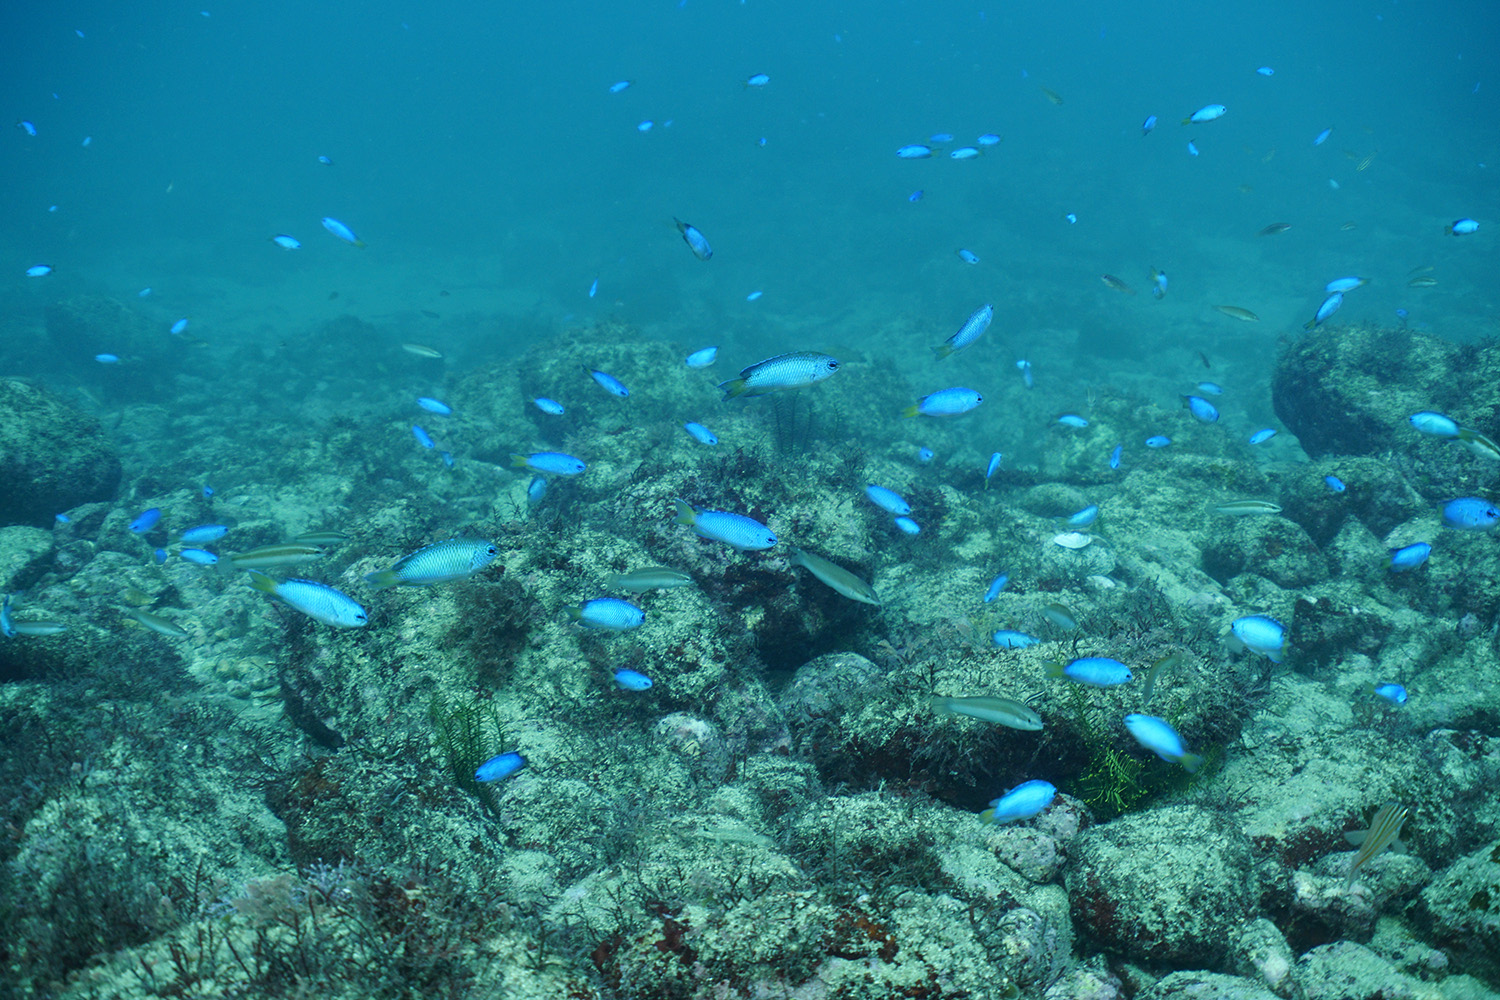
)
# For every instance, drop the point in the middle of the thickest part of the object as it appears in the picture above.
(1384, 831)
(785, 371)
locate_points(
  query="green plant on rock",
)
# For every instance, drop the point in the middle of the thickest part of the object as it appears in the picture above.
(468, 735)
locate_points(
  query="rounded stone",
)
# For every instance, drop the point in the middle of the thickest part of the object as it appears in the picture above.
(1169, 886)
(52, 457)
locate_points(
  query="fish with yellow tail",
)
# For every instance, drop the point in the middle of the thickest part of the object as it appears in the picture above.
(785, 371)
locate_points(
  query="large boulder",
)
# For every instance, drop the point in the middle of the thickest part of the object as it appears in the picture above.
(52, 457)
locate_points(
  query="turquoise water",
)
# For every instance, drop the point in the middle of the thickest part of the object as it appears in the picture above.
(662, 845)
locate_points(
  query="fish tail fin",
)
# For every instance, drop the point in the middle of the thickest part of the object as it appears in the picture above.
(1191, 762)
(988, 816)
(262, 582)
(1054, 669)
(733, 388)
(359, 243)
(685, 513)
(1187, 121)
(911, 411)
(941, 706)
(519, 461)
(1310, 325)
(383, 579)
(576, 614)
(942, 351)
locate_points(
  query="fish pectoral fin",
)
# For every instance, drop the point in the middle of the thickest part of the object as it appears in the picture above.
(1356, 837)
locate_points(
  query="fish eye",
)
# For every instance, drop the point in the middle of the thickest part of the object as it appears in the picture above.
(832, 365)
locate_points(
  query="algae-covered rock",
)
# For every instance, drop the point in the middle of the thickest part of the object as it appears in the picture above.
(52, 457)
(1462, 909)
(1203, 985)
(1272, 547)
(1168, 885)
(1348, 971)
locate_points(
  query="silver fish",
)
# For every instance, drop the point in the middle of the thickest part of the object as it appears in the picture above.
(836, 577)
(785, 371)
(455, 559)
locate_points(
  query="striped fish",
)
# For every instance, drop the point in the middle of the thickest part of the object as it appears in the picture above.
(1384, 831)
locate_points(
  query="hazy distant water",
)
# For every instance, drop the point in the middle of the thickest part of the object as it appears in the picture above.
(477, 150)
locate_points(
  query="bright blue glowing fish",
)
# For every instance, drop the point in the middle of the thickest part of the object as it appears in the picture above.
(945, 403)
(342, 231)
(1022, 802)
(552, 462)
(735, 530)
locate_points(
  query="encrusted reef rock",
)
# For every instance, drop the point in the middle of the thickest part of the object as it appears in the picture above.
(1349, 390)
(52, 457)
(1169, 886)
(1462, 906)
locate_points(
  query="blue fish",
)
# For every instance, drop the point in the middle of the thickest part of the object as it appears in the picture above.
(618, 86)
(988, 139)
(914, 152)
(326, 161)
(1072, 420)
(1207, 113)
(1470, 514)
(996, 585)
(1263, 435)
(915, 196)
(1084, 517)
(1266, 71)
(1261, 634)
(753, 296)
(286, 242)
(1322, 136)
(938, 138)
(1097, 671)
(1158, 283)
(160, 555)
(546, 405)
(703, 357)
(1409, 557)
(554, 462)
(963, 153)
(1022, 802)
(39, 270)
(968, 257)
(536, 490)
(107, 359)
(437, 406)
(908, 526)
(1148, 125)
(208, 491)
(1211, 388)
(500, 766)
(1328, 308)
(1158, 736)
(696, 241)
(631, 680)
(608, 613)
(1114, 456)
(888, 500)
(1391, 692)
(200, 556)
(758, 80)
(423, 438)
(1024, 367)
(700, 433)
(594, 288)
(316, 600)
(993, 467)
(146, 520)
(608, 382)
(179, 327)
(1463, 227)
(27, 127)
(1158, 441)
(1437, 424)
(1201, 409)
(204, 533)
(1344, 284)
(1334, 483)
(735, 530)
(924, 455)
(447, 457)
(342, 231)
(945, 403)
(1008, 638)
(1192, 148)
